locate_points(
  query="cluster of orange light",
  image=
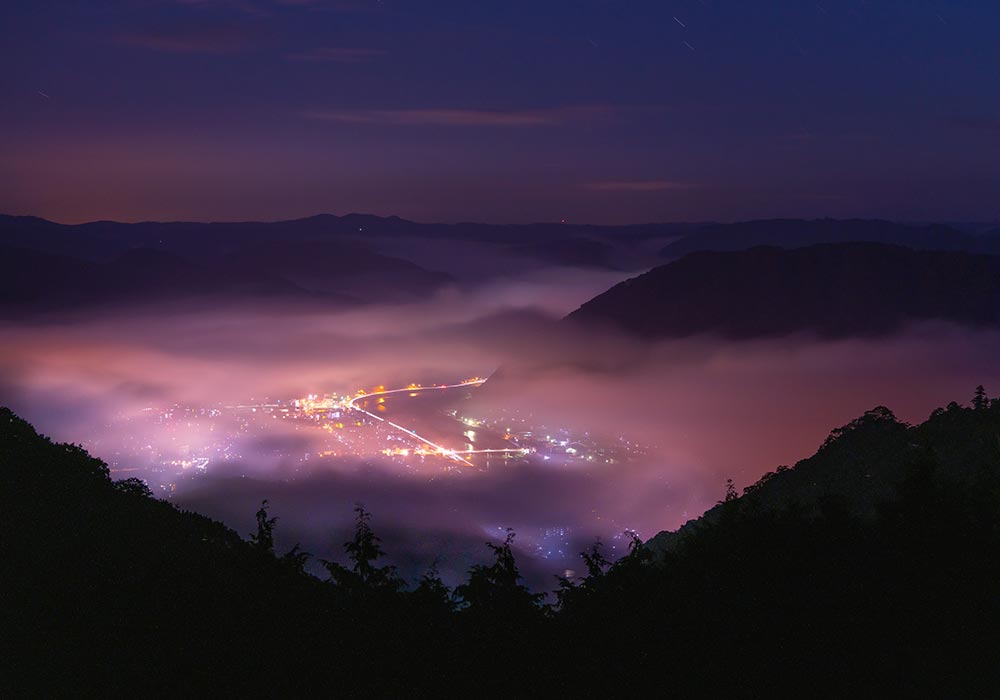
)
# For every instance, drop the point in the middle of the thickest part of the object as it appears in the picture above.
(308, 405)
(401, 451)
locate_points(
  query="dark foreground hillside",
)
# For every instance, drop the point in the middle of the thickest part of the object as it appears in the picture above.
(871, 570)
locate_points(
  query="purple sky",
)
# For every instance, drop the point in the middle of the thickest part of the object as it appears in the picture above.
(594, 110)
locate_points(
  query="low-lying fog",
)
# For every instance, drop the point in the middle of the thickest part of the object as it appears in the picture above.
(703, 409)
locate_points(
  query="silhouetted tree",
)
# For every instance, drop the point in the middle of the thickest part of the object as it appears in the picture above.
(431, 593)
(731, 494)
(637, 550)
(880, 416)
(364, 576)
(136, 487)
(263, 540)
(295, 558)
(494, 590)
(980, 401)
(569, 591)
(595, 560)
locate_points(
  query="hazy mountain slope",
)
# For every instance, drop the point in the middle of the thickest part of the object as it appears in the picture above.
(833, 290)
(55, 267)
(572, 252)
(33, 281)
(341, 267)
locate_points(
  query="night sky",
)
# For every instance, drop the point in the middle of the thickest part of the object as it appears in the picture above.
(590, 111)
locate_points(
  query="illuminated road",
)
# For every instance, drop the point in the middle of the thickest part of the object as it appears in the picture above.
(414, 388)
(443, 451)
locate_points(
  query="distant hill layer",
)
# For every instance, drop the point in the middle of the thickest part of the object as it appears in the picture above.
(798, 233)
(367, 257)
(104, 238)
(836, 290)
(322, 272)
(371, 258)
(31, 281)
(572, 243)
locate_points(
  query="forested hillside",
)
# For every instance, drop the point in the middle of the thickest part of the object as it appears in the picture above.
(871, 568)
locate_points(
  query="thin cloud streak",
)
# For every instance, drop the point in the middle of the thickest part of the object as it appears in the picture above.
(639, 186)
(337, 54)
(987, 124)
(210, 39)
(250, 8)
(458, 117)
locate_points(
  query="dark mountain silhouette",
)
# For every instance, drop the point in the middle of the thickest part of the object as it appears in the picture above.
(552, 243)
(798, 233)
(973, 227)
(871, 568)
(356, 256)
(33, 232)
(835, 290)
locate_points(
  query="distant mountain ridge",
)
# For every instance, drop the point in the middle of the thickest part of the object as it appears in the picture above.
(48, 266)
(101, 238)
(372, 258)
(798, 233)
(415, 258)
(832, 290)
